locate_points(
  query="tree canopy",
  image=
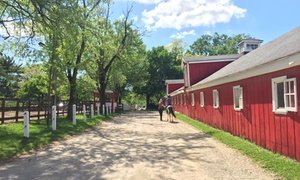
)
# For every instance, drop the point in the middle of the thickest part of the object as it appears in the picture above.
(10, 74)
(216, 44)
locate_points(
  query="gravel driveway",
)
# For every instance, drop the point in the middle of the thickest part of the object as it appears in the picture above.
(138, 146)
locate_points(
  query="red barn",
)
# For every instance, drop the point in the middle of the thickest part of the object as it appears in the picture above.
(173, 84)
(199, 67)
(255, 97)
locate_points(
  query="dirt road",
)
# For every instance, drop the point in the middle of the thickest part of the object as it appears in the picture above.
(135, 146)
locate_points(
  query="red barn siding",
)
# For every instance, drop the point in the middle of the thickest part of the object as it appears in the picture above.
(199, 71)
(173, 87)
(256, 122)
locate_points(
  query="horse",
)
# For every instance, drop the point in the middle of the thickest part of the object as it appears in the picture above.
(170, 113)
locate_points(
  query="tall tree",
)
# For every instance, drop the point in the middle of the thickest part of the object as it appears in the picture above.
(216, 44)
(10, 74)
(107, 46)
(131, 70)
(163, 65)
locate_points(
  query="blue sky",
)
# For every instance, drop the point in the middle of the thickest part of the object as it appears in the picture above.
(165, 20)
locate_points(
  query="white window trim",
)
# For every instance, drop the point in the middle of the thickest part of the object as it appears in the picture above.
(216, 99)
(193, 99)
(202, 99)
(284, 110)
(292, 109)
(241, 104)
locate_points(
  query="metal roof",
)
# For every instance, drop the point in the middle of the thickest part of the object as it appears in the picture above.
(229, 57)
(174, 81)
(284, 46)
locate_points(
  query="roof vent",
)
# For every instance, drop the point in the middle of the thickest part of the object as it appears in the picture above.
(247, 45)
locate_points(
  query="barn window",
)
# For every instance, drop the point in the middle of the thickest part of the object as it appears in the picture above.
(193, 99)
(202, 99)
(237, 98)
(284, 95)
(215, 98)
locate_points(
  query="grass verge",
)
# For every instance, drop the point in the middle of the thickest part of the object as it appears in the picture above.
(280, 165)
(12, 141)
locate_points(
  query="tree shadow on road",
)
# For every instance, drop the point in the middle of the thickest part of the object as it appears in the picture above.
(104, 150)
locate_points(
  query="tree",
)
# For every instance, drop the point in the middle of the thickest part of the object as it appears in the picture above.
(67, 42)
(216, 44)
(107, 46)
(131, 70)
(163, 65)
(10, 73)
(86, 87)
(34, 82)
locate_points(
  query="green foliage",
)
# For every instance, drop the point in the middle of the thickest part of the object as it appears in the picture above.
(131, 70)
(10, 73)
(285, 167)
(34, 82)
(85, 88)
(13, 143)
(132, 98)
(216, 44)
(163, 65)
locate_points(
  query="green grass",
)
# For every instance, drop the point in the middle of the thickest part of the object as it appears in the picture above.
(280, 165)
(12, 141)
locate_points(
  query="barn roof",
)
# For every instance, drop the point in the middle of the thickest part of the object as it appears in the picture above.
(201, 59)
(274, 51)
(174, 81)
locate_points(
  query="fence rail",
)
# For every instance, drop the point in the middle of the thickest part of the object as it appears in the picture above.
(12, 109)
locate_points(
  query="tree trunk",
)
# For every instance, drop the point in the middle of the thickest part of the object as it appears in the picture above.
(72, 96)
(147, 100)
(101, 90)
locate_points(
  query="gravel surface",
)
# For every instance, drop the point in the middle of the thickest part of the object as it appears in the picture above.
(138, 146)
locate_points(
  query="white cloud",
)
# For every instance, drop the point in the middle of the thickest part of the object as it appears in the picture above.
(178, 14)
(207, 32)
(144, 1)
(181, 35)
(148, 1)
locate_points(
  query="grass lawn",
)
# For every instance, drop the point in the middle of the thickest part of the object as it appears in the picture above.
(12, 141)
(282, 166)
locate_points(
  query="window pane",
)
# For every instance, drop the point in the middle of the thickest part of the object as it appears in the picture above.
(280, 96)
(292, 101)
(292, 87)
(287, 87)
(237, 97)
(287, 99)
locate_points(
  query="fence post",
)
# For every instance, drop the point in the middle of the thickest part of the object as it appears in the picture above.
(53, 118)
(63, 109)
(29, 106)
(26, 124)
(39, 107)
(17, 111)
(74, 114)
(92, 110)
(84, 112)
(107, 110)
(103, 110)
(3, 111)
(98, 109)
